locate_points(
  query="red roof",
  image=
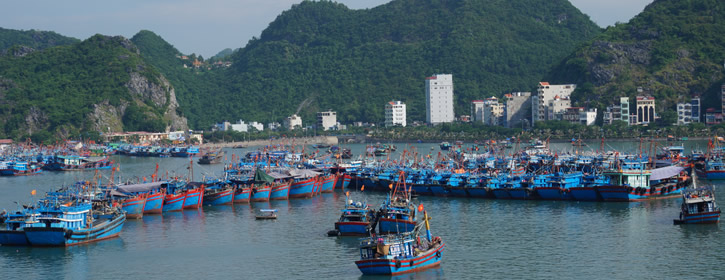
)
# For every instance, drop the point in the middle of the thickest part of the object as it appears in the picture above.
(431, 78)
(477, 101)
(544, 83)
(6, 141)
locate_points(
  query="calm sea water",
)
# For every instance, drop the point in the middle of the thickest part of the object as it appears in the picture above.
(485, 238)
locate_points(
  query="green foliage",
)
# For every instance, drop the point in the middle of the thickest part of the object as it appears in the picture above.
(58, 87)
(136, 119)
(674, 49)
(38, 40)
(353, 61)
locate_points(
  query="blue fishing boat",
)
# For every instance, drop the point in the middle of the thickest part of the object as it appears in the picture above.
(558, 186)
(302, 187)
(19, 168)
(400, 253)
(354, 220)
(13, 234)
(327, 183)
(73, 223)
(587, 190)
(397, 214)
(633, 184)
(445, 146)
(699, 206)
(219, 193)
(242, 194)
(77, 163)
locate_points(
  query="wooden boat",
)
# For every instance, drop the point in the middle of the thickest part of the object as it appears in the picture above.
(77, 163)
(266, 214)
(212, 157)
(445, 146)
(242, 194)
(280, 191)
(261, 193)
(19, 168)
(219, 194)
(74, 223)
(699, 206)
(354, 220)
(400, 253)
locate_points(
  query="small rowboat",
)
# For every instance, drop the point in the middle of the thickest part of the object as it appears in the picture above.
(266, 214)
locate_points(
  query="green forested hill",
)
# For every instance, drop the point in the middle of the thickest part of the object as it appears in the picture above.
(99, 84)
(674, 49)
(37, 40)
(354, 61)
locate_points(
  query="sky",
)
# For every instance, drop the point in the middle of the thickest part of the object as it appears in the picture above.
(207, 26)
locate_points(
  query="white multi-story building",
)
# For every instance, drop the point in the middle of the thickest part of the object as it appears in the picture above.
(588, 117)
(292, 121)
(395, 114)
(556, 108)
(546, 92)
(439, 99)
(326, 120)
(688, 112)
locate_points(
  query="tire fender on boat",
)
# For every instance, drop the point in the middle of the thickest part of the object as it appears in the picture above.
(68, 233)
(397, 264)
(438, 254)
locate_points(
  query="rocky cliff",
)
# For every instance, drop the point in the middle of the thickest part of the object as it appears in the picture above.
(100, 84)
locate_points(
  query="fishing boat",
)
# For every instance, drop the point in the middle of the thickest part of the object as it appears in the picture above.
(397, 214)
(77, 163)
(400, 253)
(212, 157)
(354, 220)
(698, 206)
(327, 183)
(19, 168)
(266, 214)
(302, 187)
(242, 194)
(175, 197)
(194, 197)
(13, 234)
(636, 184)
(280, 191)
(445, 146)
(74, 222)
(261, 193)
(219, 193)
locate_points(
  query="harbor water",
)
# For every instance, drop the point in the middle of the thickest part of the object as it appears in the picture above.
(500, 239)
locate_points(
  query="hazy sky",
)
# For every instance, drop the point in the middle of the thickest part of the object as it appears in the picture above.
(206, 26)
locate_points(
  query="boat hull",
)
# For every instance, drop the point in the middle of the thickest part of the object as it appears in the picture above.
(584, 193)
(154, 203)
(13, 238)
(174, 202)
(352, 228)
(551, 193)
(388, 225)
(501, 193)
(280, 192)
(302, 189)
(478, 192)
(241, 195)
(700, 218)
(261, 194)
(224, 197)
(134, 207)
(327, 184)
(194, 198)
(59, 237)
(385, 266)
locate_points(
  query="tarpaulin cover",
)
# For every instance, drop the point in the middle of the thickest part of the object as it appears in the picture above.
(303, 173)
(144, 187)
(665, 172)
